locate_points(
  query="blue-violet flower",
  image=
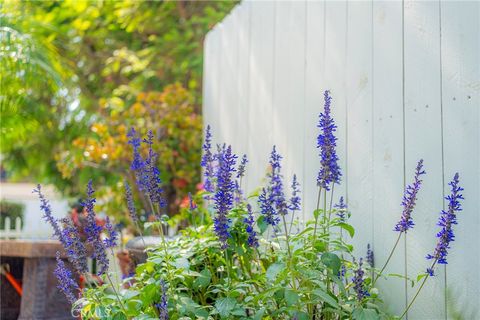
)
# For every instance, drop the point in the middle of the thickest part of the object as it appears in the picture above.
(326, 142)
(66, 281)
(358, 282)
(249, 222)
(409, 199)
(446, 221)
(224, 193)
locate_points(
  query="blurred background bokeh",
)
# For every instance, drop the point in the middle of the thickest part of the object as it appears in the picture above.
(76, 75)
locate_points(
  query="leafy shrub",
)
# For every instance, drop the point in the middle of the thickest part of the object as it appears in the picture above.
(243, 261)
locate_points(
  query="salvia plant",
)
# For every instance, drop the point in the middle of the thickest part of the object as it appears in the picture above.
(241, 258)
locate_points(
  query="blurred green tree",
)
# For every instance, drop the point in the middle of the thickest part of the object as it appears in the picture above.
(62, 60)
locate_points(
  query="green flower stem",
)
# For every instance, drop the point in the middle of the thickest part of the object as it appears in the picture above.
(418, 291)
(316, 218)
(294, 285)
(388, 259)
(228, 267)
(330, 208)
(116, 293)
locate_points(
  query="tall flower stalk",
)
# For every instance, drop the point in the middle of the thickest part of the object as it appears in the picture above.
(408, 204)
(207, 162)
(224, 194)
(446, 221)
(329, 173)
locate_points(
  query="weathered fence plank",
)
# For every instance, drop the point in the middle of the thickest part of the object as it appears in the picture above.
(388, 151)
(405, 84)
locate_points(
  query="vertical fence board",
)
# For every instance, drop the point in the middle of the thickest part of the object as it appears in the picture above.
(359, 123)
(388, 143)
(423, 140)
(242, 136)
(261, 88)
(461, 119)
(289, 87)
(335, 71)
(229, 125)
(213, 83)
(314, 86)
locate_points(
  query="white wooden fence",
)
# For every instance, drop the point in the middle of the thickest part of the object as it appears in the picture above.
(405, 81)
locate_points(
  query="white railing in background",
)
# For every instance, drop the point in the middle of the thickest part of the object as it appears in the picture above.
(15, 231)
(8, 232)
(405, 82)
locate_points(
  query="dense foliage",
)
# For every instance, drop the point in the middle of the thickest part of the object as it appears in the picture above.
(247, 257)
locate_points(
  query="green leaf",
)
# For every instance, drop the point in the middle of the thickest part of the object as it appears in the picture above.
(148, 225)
(320, 245)
(182, 263)
(421, 276)
(240, 312)
(120, 316)
(203, 280)
(291, 297)
(259, 314)
(224, 306)
(262, 224)
(302, 316)
(348, 228)
(332, 261)
(325, 297)
(317, 213)
(274, 270)
(364, 314)
(201, 313)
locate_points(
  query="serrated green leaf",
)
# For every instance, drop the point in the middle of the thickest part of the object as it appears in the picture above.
(325, 297)
(348, 228)
(316, 213)
(262, 224)
(203, 280)
(291, 297)
(364, 314)
(332, 261)
(224, 306)
(274, 270)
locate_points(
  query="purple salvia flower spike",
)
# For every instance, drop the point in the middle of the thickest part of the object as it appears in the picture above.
(111, 240)
(409, 200)
(446, 221)
(326, 142)
(68, 236)
(192, 203)
(242, 166)
(224, 193)
(93, 231)
(295, 200)
(74, 247)
(150, 176)
(207, 161)
(341, 207)
(66, 282)
(358, 282)
(272, 198)
(276, 183)
(130, 203)
(249, 223)
(163, 305)
(135, 141)
(370, 257)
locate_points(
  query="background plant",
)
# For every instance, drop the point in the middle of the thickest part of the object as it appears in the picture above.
(67, 64)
